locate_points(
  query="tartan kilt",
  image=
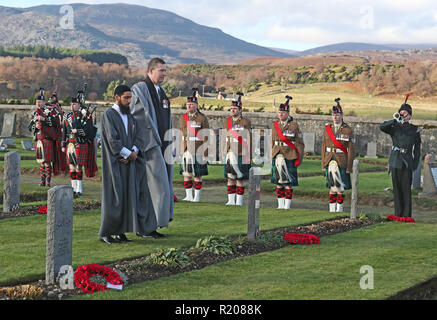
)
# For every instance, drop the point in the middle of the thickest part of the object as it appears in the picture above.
(48, 150)
(345, 177)
(85, 154)
(292, 171)
(199, 169)
(243, 167)
(82, 154)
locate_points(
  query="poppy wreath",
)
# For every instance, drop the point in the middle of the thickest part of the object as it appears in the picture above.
(85, 272)
(301, 238)
(401, 219)
(42, 210)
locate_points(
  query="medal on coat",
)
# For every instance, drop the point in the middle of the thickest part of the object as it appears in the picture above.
(334, 139)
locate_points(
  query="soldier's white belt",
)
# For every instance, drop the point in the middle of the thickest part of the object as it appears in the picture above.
(401, 150)
(281, 144)
(337, 150)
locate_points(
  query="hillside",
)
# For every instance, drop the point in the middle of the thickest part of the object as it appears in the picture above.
(136, 32)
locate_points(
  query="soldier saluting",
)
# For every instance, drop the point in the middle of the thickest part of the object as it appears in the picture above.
(287, 154)
(404, 156)
(193, 164)
(78, 142)
(338, 154)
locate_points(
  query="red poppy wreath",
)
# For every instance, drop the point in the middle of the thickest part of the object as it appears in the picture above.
(85, 272)
(301, 238)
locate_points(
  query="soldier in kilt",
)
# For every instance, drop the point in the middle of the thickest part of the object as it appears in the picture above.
(44, 127)
(338, 154)
(287, 155)
(78, 143)
(193, 164)
(237, 151)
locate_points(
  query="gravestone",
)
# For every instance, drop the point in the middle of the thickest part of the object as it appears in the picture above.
(417, 176)
(354, 195)
(8, 129)
(309, 139)
(7, 141)
(11, 188)
(27, 145)
(429, 189)
(371, 150)
(59, 235)
(254, 202)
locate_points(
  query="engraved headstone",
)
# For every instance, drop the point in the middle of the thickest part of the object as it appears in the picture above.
(27, 145)
(11, 188)
(254, 202)
(59, 235)
(8, 129)
(429, 189)
(371, 150)
(309, 139)
(7, 141)
(417, 176)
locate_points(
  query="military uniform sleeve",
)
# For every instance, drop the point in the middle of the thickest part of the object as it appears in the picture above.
(323, 151)
(299, 143)
(387, 126)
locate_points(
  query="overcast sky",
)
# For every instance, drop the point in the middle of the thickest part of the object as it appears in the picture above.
(300, 25)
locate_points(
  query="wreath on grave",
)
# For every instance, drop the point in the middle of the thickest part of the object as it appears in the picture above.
(401, 219)
(42, 210)
(85, 272)
(301, 238)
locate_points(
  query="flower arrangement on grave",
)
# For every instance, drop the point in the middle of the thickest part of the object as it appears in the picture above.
(85, 272)
(301, 238)
(401, 219)
(42, 210)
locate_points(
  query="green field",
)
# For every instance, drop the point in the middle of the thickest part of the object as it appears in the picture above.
(330, 270)
(320, 98)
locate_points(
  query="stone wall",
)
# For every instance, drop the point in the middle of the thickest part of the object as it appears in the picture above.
(366, 130)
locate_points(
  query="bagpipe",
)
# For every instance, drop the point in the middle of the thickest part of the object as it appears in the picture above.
(85, 119)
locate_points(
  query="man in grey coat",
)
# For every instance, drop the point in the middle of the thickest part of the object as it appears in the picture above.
(124, 184)
(151, 110)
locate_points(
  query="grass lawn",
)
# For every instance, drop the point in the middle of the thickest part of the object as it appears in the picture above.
(398, 253)
(22, 240)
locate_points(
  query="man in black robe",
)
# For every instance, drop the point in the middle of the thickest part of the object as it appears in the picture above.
(124, 182)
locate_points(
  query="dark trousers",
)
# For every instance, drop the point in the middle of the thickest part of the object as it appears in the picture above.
(402, 179)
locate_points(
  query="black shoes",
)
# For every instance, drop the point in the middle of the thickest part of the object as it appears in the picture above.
(119, 238)
(122, 238)
(109, 240)
(153, 234)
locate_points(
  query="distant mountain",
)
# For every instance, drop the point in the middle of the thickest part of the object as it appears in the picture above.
(137, 32)
(346, 46)
(359, 46)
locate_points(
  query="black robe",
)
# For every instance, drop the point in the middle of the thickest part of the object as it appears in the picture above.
(124, 186)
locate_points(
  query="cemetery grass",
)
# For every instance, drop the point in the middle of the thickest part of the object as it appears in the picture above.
(22, 240)
(399, 254)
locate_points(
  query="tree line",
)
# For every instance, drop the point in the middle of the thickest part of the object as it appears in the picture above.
(48, 52)
(21, 78)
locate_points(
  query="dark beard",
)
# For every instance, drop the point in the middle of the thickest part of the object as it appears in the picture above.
(124, 109)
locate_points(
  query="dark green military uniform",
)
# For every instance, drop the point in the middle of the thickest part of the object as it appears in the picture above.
(404, 159)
